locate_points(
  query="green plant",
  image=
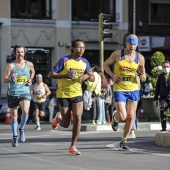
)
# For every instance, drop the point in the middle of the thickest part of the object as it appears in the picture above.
(156, 61)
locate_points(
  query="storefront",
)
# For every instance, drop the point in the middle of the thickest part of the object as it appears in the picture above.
(40, 57)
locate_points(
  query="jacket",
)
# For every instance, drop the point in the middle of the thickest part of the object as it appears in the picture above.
(162, 87)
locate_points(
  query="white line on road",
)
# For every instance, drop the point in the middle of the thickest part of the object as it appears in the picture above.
(114, 146)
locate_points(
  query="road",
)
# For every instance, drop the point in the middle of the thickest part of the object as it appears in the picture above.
(48, 149)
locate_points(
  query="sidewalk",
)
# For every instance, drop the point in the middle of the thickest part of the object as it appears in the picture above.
(140, 126)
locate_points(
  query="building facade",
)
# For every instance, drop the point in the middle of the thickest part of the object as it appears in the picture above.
(47, 27)
(152, 25)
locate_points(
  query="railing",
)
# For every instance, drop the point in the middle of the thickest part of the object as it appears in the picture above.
(34, 14)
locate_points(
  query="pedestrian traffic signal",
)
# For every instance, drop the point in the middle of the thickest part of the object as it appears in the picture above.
(104, 26)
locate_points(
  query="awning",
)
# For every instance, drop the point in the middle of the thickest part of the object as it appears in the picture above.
(160, 42)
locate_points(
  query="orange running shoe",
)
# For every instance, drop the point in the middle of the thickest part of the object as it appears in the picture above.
(54, 122)
(74, 151)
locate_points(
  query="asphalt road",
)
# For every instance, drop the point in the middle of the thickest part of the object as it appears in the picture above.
(48, 149)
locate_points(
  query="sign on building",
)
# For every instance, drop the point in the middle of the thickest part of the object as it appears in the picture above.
(144, 43)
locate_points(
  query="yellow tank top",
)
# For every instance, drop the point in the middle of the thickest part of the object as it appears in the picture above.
(127, 71)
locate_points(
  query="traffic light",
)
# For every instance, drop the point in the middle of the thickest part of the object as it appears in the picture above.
(104, 26)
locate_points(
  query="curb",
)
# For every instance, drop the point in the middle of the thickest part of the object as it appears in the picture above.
(140, 126)
(162, 139)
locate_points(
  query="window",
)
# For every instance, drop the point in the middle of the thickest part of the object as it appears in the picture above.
(31, 9)
(88, 10)
(159, 13)
(40, 57)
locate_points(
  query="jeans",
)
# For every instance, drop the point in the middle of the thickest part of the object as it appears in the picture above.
(107, 111)
(102, 111)
(95, 110)
(134, 127)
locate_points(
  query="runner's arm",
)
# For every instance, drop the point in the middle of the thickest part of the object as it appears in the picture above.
(7, 73)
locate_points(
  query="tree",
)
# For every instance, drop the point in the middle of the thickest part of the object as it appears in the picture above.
(156, 61)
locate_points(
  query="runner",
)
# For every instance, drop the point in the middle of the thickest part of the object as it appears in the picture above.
(71, 71)
(19, 75)
(40, 91)
(126, 93)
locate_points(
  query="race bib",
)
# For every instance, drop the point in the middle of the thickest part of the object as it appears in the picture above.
(21, 79)
(127, 78)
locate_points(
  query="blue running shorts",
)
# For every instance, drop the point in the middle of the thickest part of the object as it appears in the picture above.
(121, 96)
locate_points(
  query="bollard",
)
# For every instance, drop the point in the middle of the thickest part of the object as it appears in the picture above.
(71, 117)
(8, 118)
(108, 115)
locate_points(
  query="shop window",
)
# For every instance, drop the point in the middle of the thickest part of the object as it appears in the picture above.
(41, 58)
(159, 13)
(88, 10)
(31, 9)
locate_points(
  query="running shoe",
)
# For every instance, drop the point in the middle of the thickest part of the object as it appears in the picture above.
(73, 150)
(114, 124)
(15, 142)
(22, 135)
(38, 128)
(123, 146)
(55, 122)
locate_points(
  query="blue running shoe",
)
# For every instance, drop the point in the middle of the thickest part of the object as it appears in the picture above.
(15, 142)
(22, 135)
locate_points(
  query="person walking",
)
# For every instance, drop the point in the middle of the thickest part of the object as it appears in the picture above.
(127, 63)
(40, 91)
(71, 71)
(19, 75)
(163, 90)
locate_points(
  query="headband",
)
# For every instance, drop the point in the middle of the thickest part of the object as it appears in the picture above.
(132, 40)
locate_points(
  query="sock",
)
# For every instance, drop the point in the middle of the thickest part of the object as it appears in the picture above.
(23, 121)
(123, 139)
(115, 119)
(14, 125)
(38, 123)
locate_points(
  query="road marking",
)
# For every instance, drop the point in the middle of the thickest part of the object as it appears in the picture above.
(114, 146)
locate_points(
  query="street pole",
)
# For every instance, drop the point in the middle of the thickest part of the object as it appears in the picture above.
(103, 26)
(101, 54)
(134, 16)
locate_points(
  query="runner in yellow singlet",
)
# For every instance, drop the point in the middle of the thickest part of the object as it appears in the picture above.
(127, 64)
(71, 71)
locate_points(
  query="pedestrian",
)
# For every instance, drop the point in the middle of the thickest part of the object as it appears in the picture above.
(127, 63)
(108, 102)
(19, 75)
(40, 91)
(71, 71)
(51, 106)
(112, 106)
(94, 89)
(144, 88)
(163, 91)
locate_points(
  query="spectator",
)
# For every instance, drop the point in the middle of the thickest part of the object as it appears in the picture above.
(108, 103)
(163, 90)
(112, 106)
(51, 106)
(144, 88)
(95, 89)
